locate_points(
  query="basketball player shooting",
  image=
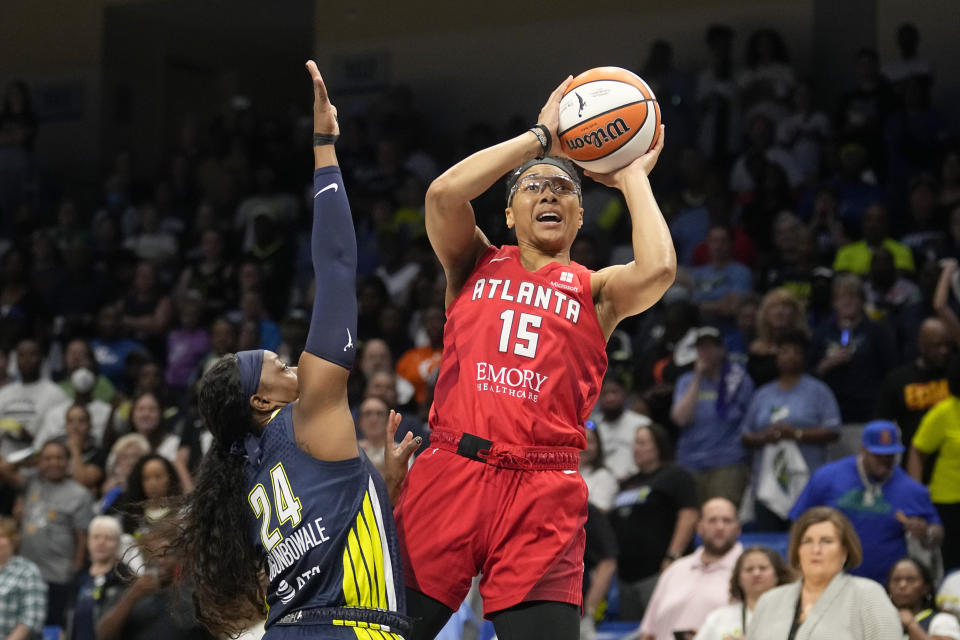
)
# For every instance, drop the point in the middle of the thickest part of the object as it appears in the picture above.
(524, 355)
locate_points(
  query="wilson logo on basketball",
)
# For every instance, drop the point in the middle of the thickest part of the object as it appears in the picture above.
(600, 136)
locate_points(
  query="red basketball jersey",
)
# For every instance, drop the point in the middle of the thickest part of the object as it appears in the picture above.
(523, 354)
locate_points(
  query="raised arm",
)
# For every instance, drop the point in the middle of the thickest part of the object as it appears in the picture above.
(322, 422)
(451, 225)
(620, 291)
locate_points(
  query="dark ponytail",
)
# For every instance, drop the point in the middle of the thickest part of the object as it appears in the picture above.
(210, 530)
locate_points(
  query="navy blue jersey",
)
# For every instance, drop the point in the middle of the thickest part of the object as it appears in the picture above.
(326, 528)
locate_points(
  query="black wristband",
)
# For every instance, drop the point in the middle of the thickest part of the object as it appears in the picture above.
(321, 139)
(543, 136)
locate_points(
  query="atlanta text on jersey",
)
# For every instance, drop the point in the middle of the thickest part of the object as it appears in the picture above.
(289, 550)
(529, 293)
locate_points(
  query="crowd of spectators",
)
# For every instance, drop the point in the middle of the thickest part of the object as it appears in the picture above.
(817, 289)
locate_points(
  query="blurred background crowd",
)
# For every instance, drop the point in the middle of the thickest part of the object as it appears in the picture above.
(818, 291)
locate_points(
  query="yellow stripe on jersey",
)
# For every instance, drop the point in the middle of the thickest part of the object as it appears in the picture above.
(363, 575)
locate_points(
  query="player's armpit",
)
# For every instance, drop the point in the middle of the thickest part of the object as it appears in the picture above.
(322, 422)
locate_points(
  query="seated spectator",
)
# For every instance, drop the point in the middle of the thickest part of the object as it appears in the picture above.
(22, 588)
(123, 456)
(910, 585)
(187, 344)
(54, 424)
(419, 366)
(252, 310)
(894, 300)
(708, 405)
(948, 595)
(926, 237)
(87, 459)
(146, 418)
(790, 265)
(856, 256)
(599, 567)
(825, 602)
(761, 150)
(910, 390)
(56, 513)
(153, 242)
(939, 433)
(372, 426)
(147, 310)
(211, 276)
(852, 353)
(780, 312)
(617, 426)
(112, 346)
(758, 569)
(151, 606)
(375, 357)
(223, 340)
(805, 131)
(24, 402)
(383, 385)
(946, 302)
(718, 286)
(737, 343)
(883, 503)
(653, 516)
(601, 484)
(78, 354)
(796, 408)
(101, 581)
(694, 585)
(151, 483)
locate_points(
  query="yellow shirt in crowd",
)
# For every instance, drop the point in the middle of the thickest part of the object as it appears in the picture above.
(940, 431)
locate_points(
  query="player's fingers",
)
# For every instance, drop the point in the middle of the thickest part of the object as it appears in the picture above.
(558, 92)
(392, 423)
(319, 88)
(408, 447)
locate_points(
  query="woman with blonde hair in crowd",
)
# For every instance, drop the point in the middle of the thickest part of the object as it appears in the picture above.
(124, 454)
(826, 603)
(780, 311)
(758, 570)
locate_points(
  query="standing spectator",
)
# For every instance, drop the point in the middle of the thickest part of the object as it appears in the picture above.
(718, 98)
(153, 242)
(791, 263)
(23, 593)
(910, 390)
(601, 483)
(856, 256)
(795, 408)
(865, 106)
(23, 403)
(719, 285)
(894, 300)
(805, 132)
(617, 426)
(853, 353)
(18, 129)
(101, 582)
(909, 64)
(708, 406)
(22, 313)
(939, 433)
(654, 517)
(419, 365)
(758, 570)
(87, 459)
(767, 79)
(910, 585)
(780, 312)
(883, 503)
(694, 585)
(56, 513)
(825, 602)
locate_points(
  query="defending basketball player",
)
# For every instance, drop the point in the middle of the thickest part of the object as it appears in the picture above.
(284, 490)
(498, 493)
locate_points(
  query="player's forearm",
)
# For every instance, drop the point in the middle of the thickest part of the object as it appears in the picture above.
(654, 257)
(476, 173)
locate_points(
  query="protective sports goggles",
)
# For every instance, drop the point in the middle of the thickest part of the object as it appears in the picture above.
(535, 184)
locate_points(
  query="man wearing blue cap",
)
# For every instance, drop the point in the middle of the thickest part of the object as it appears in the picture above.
(881, 500)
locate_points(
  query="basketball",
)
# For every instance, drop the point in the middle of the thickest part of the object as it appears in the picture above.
(608, 118)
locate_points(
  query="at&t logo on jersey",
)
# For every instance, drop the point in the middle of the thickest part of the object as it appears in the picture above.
(516, 383)
(285, 592)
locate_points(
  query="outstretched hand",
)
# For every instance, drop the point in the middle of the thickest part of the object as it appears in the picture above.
(396, 459)
(550, 117)
(644, 163)
(324, 113)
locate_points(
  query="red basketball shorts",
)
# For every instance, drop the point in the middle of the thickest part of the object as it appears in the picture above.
(522, 530)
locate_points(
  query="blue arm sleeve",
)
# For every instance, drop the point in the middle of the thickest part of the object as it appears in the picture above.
(333, 245)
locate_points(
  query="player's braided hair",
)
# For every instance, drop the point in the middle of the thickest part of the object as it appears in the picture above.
(209, 530)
